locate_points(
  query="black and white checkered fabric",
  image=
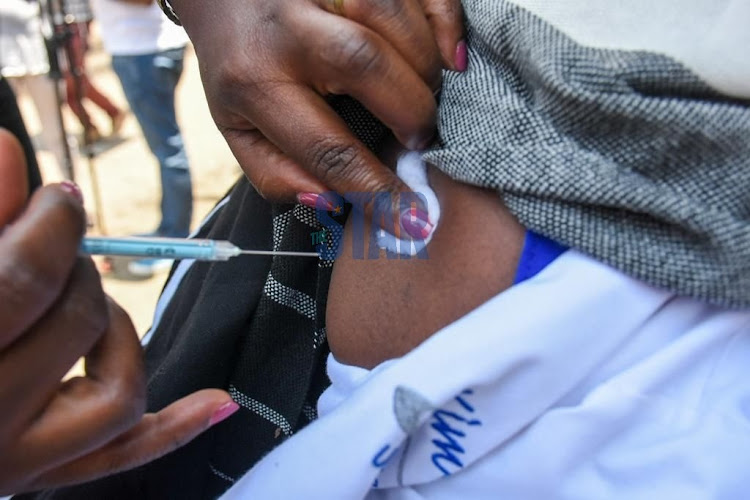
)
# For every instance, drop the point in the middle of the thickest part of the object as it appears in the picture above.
(626, 156)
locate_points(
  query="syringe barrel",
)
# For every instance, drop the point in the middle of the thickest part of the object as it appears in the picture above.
(157, 248)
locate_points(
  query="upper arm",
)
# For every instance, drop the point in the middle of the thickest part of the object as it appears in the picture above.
(382, 308)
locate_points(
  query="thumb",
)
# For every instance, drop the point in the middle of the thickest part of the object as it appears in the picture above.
(14, 183)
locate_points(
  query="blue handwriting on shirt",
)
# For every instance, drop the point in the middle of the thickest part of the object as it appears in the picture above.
(452, 428)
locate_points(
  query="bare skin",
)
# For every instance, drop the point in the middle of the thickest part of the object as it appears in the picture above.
(266, 66)
(267, 69)
(52, 312)
(382, 308)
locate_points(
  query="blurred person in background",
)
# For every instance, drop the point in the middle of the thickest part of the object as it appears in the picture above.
(77, 20)
(24, 62)
(11, 120)
(147, 56)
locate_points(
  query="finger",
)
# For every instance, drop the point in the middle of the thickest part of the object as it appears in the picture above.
(403, 24)
(447, 21)
(38, 253)
(155, 436)
(273, 174)
(14, 182)
(88, 412)
(358, 62)
(117, 360)
(40, 358)
(322, 142)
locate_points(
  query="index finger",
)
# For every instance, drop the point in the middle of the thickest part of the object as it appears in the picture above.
(322, 143)
(88, 412)
(156, 435)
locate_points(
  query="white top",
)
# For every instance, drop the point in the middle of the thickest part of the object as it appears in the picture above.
(22, 50)
(128, 29)
(580, 383)
(711, 37)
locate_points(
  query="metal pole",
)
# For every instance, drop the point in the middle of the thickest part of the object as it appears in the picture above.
(52, 43)
(62, 36)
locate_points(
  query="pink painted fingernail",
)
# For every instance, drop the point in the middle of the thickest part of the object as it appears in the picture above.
(225, 411)
(313, 200)
(416, 223)
(72, 188)
(462, 57)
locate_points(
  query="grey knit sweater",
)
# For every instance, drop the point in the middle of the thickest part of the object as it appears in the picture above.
(625, 155)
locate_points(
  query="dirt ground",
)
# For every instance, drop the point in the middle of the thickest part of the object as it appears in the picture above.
(127, 173)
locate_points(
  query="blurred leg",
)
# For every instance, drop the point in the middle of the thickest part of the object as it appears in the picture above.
(149, 82)
(75, 93)
(93, 94)
(74, 85)
(89, 91)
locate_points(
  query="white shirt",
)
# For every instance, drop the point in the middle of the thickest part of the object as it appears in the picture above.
(710, 37)
(580, 383)
(129, 30)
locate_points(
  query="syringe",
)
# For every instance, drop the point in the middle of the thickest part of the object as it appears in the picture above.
(174, 248)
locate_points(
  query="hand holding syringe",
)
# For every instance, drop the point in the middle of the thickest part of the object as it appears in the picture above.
(174, 248)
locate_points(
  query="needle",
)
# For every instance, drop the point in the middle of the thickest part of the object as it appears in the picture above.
(277, 252)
